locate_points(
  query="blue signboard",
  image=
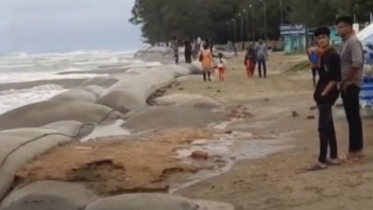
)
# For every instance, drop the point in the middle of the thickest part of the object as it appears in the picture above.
(292, 29)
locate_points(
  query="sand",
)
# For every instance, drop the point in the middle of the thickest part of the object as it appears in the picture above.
(117, 165)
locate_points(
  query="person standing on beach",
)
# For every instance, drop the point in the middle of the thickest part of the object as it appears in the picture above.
(221, 67)
(262, 58)
(250, 61)
(205, 57)
(200, 43)
(325, 95)
(352, 61)
(188, 52)
(314, 53)
(175, 47)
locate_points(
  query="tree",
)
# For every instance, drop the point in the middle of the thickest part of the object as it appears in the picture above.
(160, 20)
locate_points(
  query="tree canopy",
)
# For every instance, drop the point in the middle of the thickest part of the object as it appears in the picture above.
(160, 20)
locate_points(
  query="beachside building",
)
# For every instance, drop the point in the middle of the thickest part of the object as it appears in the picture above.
(296, 36)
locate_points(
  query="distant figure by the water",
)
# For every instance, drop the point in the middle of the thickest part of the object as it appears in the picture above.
(175, 47)
(188, 51)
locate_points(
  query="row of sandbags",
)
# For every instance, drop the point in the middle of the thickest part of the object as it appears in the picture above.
(97, 99)
(34, 129)
(52, 195)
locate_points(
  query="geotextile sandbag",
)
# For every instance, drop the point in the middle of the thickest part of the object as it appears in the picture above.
(162, 117)
(46, 112)
(132, 93)
(188, 100)
(85, 93)
(49, 195)
(155, 201)
(20, 146)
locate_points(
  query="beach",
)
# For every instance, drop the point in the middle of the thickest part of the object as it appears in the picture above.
(244, 142)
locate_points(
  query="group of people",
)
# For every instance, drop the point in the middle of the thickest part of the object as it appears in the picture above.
(256, 55)
(191, 48)
(205, 56)
(339, 74)
(201, 50)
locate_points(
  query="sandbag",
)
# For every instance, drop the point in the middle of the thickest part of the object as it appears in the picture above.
(155, 202)
(194, 68)
(180, 70)
(100, 81)
(20, 146)
(131, 93)
(188, 100)
(137, 70)
(189, 78)
(86, 94)
(171, 117)
(122, 101)
(46, 112)
(49, 195)
(197, 65)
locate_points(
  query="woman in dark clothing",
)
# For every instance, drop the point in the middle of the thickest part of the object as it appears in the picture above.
(250, 61)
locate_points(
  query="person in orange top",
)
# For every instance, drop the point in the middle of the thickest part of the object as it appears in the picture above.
(205, 57)
(250, 61)
(314, 54)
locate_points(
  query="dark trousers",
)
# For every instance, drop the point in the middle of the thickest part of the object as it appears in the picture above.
(262, 63)
(327, 133)
(176, 57)
(314, 74)
(188, 57)
(350, 97)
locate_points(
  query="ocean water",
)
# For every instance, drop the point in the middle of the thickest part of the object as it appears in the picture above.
(23, 67)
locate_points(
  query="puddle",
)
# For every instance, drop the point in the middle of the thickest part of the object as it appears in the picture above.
(255, 125)
(226, 149)
(107, 130)
(224, 125)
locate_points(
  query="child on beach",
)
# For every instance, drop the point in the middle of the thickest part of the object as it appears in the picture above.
(314, 54)
(325, 95)
(221, 67)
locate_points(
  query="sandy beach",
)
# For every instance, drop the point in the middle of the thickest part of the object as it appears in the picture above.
(251, 154)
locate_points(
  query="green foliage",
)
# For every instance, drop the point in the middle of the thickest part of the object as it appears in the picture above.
(160, 20)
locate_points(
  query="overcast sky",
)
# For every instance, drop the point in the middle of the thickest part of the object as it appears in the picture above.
(66, 25)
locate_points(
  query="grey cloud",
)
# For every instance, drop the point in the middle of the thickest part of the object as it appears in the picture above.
(57, 25)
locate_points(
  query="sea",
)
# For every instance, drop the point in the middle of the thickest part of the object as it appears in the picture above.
(23, 67)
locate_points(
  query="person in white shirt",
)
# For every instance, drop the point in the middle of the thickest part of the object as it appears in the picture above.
(221, 67)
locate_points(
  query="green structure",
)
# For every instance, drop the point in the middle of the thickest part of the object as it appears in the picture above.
(296, 36)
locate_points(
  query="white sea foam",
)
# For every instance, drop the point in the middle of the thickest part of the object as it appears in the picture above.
(9, 77)
(11, 99)
(24, 67)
